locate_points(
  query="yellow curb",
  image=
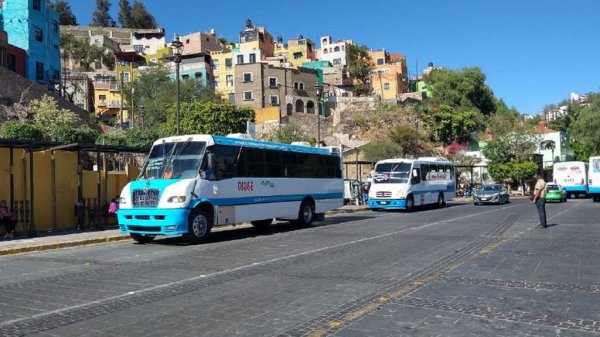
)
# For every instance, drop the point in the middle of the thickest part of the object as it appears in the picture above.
(59, 245)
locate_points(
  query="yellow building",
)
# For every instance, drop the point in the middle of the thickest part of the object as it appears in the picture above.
(256, 44)
(388, 77)
(223, 67)
(300, 50)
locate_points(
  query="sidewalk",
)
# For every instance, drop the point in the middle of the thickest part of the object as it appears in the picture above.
(72, 238)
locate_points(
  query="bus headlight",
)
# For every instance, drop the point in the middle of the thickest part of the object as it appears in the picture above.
(177, 199)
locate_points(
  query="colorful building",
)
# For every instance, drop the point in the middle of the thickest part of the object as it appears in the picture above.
(300, 50)
(33, 26)
(223, 66)
(333, 51)
(256, 44)
(388, 77)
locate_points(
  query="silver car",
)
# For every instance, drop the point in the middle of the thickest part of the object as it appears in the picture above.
(491, 194)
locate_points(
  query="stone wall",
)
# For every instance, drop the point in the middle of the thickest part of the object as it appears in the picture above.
(15, 88)
(343, 110)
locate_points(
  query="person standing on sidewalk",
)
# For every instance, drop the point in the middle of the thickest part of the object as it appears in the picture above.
(539, 198)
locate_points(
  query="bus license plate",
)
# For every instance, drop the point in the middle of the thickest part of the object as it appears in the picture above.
(383, 202)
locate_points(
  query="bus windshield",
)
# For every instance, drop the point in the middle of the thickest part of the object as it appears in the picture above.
(392, 173)
(173, 160)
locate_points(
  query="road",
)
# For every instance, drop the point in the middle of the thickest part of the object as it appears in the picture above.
(462, 270)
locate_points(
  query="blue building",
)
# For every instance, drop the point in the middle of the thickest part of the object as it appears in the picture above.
(196, 66)
(34, 27)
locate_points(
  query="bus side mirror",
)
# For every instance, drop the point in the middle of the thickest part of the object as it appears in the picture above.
(415, 173)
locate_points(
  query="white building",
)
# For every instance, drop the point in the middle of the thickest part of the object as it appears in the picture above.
(552, 145)
(334, 52)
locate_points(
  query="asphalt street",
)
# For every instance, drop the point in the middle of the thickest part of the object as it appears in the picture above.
(462, 270)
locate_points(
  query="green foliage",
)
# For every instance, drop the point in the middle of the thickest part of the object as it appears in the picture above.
(448, 125)
(515, 171)
(140, 17)
(359, 68)
(22, 131)
(84, 53)
(138, 137)
(125, 16)
(288, 133)
(584, 130)
(47, 115)
(511, 148)
(207, 118)
(101, 15)
(464, 89)
(71, 135)
(65, 14)
(381, 149)
(114, 136)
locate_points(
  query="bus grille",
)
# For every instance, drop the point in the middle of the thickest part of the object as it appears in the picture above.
(146, 197)
(383, 194)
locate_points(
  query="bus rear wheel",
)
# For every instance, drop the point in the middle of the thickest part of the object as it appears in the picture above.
(306, 214)
(141, 238)
(199, 226)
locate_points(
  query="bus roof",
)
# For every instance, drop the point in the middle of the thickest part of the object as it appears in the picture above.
(243, 142)
(412, 160)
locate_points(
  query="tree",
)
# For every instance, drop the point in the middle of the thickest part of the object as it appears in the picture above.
(207, 118)
(402, 141)
(584, 130)
(465, 89)
(140, 17)
(288, 133)
(101, 16)
(125, 17)
(86, 54)
(17, 130)
(47, 115)
(448, 125)
(70, 135)
(65, 14)
(359, 68)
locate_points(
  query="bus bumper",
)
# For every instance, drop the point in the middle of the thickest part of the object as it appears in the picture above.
(387, 203)
(580, 189)
(153, 221)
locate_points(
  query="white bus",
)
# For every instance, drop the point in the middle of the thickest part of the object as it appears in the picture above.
(406, 183)
(594, 178)
(572, 176)
(190, 183)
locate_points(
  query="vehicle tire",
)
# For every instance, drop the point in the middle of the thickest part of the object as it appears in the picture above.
(441, 202)
(142, 238)
(410, 203)
(476, 203)
(262, 224)
(569, 195)
(306, 214)
(199, 226)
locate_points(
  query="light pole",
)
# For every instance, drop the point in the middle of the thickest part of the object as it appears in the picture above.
(319, 89)
(177, 46)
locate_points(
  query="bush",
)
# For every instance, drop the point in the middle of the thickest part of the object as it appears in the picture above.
(21, 131)
(71, 135)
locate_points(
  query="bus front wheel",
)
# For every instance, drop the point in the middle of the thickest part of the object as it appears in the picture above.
(199, 226)
(306, 214)
(410, 203)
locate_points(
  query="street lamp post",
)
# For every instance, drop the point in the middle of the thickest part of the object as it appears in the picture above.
(177, 46)
(319, 89)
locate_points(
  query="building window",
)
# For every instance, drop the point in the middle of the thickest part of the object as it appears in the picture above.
(197, 75)
(229, 80)
(125, 76)
(11, 62)
(154, 60)
(228, 63)
(55, 26)
(337, 62)
(380, 60)
(102, 97)
(247, 95)
(240, 59)
(325, 51)
(273, 82)
(39, 71)
(215, 66)
(36, 5)
(97, 65)
(274, 100)
(216, 81)
(295, 85)
(247, 77)
(253, 58)
(185, 77)
(297, 56)
(231, 98)
(39, 35)
(301, 86)
(343, 47)
(386, 86)
(336, 49)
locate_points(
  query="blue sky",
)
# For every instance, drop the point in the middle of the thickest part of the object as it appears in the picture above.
(533, 52)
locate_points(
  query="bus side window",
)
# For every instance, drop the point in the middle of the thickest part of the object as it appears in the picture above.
(416, 176)
(424, 171)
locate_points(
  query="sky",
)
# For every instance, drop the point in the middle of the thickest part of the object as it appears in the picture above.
(533, 52)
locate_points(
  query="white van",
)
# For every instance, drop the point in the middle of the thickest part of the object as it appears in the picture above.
(594, 178)
(572, 176)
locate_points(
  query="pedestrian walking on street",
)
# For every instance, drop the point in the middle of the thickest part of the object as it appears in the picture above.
(539, 198)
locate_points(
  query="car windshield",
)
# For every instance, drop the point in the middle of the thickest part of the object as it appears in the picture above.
(491, 188)
(173, 160)
(553, 188)
(392, 173)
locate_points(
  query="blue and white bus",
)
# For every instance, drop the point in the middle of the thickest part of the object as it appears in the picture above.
(594, 178)
(572, 176)
(190, 183)
(406, 183)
